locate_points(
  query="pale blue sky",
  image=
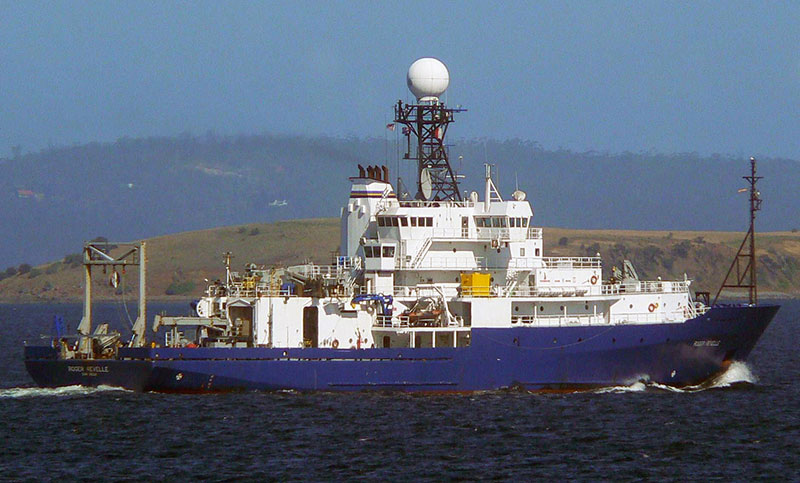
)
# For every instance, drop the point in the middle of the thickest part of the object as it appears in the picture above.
(710, 77)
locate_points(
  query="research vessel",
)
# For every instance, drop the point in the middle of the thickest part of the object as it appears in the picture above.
(440, 291)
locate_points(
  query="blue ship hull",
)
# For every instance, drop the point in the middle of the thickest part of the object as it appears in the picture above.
(533, 358)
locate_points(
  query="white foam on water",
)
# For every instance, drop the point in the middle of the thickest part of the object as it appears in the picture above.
(28, 392)
(638, 385)
(737, 372)
(665, 387)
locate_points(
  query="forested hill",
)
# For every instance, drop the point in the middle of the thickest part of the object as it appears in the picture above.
(137, 188)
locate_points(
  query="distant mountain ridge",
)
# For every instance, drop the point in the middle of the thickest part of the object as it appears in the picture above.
(138, 188)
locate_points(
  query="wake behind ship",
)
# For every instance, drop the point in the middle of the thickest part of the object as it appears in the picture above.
(436, 292)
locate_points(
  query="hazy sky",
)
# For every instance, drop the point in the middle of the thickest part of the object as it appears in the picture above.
(710, 77)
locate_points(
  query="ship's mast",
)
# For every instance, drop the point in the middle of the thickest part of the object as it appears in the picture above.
(746, 276)
(426, 122)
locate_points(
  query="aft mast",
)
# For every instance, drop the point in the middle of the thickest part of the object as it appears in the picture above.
(746, 276)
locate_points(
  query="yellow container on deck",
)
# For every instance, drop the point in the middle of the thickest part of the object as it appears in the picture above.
(476, 284)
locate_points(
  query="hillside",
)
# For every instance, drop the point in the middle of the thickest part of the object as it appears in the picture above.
(140, 188)
(177, 264)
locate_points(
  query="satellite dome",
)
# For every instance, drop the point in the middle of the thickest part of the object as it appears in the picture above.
(428, 78)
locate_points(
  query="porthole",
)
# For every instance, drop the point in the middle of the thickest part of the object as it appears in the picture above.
(541, 308)
(516, 308)
(631, 306)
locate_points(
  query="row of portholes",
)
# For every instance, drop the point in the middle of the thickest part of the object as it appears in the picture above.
(580, 339)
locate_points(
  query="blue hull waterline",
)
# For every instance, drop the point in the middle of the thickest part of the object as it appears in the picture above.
(554, 358)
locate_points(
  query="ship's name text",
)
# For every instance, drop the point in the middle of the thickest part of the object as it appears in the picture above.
(88, 370)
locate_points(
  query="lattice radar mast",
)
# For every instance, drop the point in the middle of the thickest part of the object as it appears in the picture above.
(425, 129)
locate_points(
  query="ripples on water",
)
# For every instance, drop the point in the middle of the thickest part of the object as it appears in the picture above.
(744, 425)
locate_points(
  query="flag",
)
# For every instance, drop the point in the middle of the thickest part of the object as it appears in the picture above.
(390, 126)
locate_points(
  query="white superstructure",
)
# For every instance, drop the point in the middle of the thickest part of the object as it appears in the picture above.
(423, 272)
(406, 276)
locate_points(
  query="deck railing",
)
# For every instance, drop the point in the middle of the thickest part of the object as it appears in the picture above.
(558, 320)
(405, 321)
(572, 262)
(656, 286)
(549, 291)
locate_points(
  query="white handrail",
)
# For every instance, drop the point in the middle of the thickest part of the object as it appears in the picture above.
(572, 262)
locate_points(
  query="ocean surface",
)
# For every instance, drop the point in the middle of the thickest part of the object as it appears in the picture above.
(745, 427)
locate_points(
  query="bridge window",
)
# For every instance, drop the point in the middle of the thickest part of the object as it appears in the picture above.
(499, 222)
(392, 221)
(421, 221)
(518, 222)
(377, 252)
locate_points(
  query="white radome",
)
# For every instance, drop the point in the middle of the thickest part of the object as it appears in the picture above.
(428, 78)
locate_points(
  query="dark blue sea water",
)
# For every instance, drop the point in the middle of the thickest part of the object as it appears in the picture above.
(746, 427)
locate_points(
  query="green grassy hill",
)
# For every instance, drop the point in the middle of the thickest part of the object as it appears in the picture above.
(177, 264)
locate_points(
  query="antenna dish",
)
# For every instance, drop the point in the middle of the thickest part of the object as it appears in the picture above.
(425, 183)
(427, 79)
(518, 195)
